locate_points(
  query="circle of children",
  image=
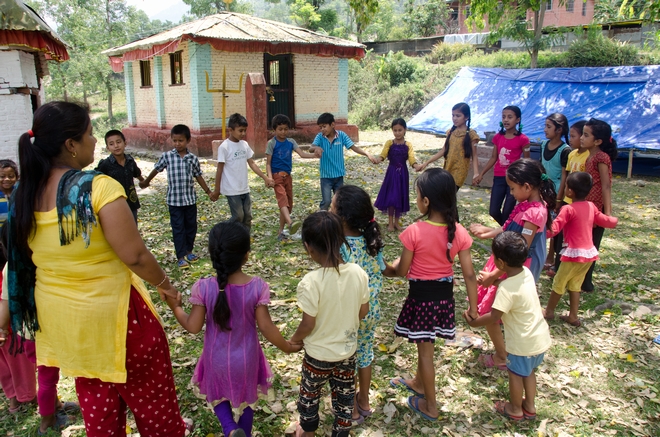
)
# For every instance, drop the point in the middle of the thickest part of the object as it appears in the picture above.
(566, 197)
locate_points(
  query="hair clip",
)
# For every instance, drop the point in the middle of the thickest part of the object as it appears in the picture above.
(449, 245)
(501, 125)
(373, 219)
(30, 133)
(544, 177)
(611, 139)
(520, 127)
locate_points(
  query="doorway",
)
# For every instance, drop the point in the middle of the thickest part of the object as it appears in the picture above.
(279, 78)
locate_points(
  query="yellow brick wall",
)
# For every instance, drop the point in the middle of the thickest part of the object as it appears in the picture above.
(235, 64)
(178, 100)
(145, 98)
(316, 86)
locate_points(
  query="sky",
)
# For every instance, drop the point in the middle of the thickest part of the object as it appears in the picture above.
(161, 9)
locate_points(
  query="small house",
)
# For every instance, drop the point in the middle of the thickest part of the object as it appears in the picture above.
(200, 72)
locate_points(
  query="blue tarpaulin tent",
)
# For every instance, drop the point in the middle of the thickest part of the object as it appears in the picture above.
(626, 97)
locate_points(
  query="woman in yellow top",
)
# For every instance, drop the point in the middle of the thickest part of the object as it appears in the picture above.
(75, 263)
(460, 146)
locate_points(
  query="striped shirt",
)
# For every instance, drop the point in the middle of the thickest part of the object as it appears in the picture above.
(181, 174)
(332, 161)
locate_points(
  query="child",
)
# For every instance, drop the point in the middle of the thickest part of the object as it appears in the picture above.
(509, 144)
(460, 146)
(365, 248)
(579, 252)
(597, 139)
(122, 167)
(231, 178)
(535, 193)
(278, 168)
(554, 156)
(8, 178)
(333, 299)
(527, 334)
(182, 166)
(329, 145)
(232, 369)
(429, 250)
(393, 195)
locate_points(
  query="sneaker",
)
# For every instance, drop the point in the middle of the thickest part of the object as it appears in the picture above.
(191, 258)
(183, 264)
(297, 236)
(294, 226)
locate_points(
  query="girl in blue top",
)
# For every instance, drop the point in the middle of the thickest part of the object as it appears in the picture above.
(364, 248)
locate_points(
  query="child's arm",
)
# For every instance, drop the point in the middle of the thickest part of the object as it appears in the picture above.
(491, 162)
(4, 321)
(218, 179)
(470, 278)
(364, 309)
(475, 159)
(390, 271)
(305, 328)
(202, 183)
(255, 168)
(305, 154)
(359, 151)
(562, 188)
(192, 322)
(600, 219)
(401, 265)
(145, 182)
(484, 232)
(272, 334)
(606, 185)
(491, 318)
(269, 169)
(559, 222)
(434, 158)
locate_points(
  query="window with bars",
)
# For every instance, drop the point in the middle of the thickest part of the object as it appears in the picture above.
(176, 68)
(570, 5)
(584, 9)
(548, 5)
(274, 68)
(145, 73)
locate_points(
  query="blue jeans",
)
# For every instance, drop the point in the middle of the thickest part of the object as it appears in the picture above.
(241, 209)
(183, 220)
(328, 187)
(498, 194)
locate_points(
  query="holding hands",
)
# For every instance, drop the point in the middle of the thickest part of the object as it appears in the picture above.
(476, 179)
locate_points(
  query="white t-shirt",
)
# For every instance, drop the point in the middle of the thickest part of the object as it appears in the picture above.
(526, 331)
(334, 299)
(235, 174)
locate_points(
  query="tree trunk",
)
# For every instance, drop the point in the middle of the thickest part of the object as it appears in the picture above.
(538, 32)
(84, 90)
(65, 96)
(108, 86)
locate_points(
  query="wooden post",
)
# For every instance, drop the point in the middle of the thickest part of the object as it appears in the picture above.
(630, 161)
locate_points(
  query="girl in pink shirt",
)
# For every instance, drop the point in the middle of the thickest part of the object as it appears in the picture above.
(429, 249)
(510, 143)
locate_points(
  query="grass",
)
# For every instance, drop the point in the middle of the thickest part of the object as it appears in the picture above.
(600, 379)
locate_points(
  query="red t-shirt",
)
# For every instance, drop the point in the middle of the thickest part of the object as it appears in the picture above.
(596, 194)
(428, 242)
(508, 151)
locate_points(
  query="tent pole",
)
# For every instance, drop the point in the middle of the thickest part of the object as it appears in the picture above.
(630, 160)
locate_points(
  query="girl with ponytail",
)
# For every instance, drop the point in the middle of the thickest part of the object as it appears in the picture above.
(232, 370)
(460, 146)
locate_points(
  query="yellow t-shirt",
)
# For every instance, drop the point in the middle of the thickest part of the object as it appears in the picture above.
(82, 296)
(335, 300)
(576, 162)
(526, 331)
(411, 152)
(456, 163)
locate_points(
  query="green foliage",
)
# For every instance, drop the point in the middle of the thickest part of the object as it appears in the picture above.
(424, 17)
(103, 123)
(595, 50)
(397, 68)
(363, 12)
(443, 53)
(386, 25)
(304, 14)
(327, 22)
(202, 8)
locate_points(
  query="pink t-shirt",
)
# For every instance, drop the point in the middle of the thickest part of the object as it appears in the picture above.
(428, 242)
(508, 151)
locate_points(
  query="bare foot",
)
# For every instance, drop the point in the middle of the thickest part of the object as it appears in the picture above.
(390, 228)
(398, 227)
(13, 403)
(548, 315)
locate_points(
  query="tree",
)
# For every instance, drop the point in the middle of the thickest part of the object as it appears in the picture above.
(424, 18)
(304, 14)
(203, 8)
(364, 12)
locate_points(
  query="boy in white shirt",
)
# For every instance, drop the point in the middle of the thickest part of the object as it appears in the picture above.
(231, 178)
(526, 331)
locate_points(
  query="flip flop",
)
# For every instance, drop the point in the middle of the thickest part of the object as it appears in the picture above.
(500, 408)
(70, 407)
(577, 323)
(357, 422)
(399, 381)
(526, 414)
(549, 319)
(413, 404)
(363, 413)
(61, 422)
(489, 362)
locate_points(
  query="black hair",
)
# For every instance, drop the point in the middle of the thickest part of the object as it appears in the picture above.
(52, 125)
(437, 185)
(603, 131)
(237, 120)
(229, 242)
(3, 245)
(511, 248)
(399, 122)
(516, 110)
(561, 122)
(579, 126)
(181, 129)
(325, 118)
(8, 163)
(279, 120)
(323, 232)
(353, 205)
(580, 182)
(467, 141)
(113, 132)
(529, 171)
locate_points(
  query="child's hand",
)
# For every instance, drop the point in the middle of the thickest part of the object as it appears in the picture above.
(318, 152)
(372, 159)
(294, 346)
(270, 183)
(421, 167)
(486, 279)
(214, 196)
(476, 180)
(468, 318)
(143, 184)
(479, 230)
(174, 302)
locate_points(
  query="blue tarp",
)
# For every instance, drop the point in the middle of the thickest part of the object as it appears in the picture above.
(626, 97)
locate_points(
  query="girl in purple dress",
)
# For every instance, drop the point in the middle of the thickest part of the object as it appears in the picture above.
(393, 197)
(232, 370)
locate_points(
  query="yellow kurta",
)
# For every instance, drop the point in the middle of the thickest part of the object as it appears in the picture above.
(456, 163)
(82, 296)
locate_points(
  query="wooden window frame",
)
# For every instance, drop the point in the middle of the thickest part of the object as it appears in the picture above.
(174, 57)
(145, 74)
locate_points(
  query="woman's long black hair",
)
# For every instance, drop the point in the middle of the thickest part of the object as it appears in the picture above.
(467, 141)
(353, 206)
(439, 187)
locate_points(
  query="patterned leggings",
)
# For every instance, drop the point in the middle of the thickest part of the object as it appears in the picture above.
(315, 373)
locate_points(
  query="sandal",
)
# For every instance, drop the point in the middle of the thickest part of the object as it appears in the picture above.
(526, 414)
(363, 413)
(549, 319)
(488, 361)
(500, 407)
(22, 407)
(190, 426)
(61, 422)
(400, 382)
(577, 323)
(70, 407)
(413, 404)
(551, 272)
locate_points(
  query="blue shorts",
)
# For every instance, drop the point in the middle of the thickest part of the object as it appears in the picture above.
(523, 366)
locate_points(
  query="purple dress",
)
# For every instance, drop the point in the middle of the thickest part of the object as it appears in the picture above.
(232, 365)
(393, 197)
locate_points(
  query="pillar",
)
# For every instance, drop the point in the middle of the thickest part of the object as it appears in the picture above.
(256, 113)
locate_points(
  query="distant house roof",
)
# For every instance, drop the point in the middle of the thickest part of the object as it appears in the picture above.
(21, 26)
(232, 32)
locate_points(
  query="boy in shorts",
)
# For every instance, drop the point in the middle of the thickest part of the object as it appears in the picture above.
(526, 331)
(278, 167)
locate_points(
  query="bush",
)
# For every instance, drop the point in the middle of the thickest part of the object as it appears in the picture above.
(397, 68)
(443, 53)
(596, 50)
(102, 124)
